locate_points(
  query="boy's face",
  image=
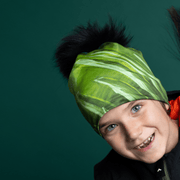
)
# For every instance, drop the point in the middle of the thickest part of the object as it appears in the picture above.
(139, 130)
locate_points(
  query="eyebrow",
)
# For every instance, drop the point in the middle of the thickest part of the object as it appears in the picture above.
(104, 124)
(129, 105)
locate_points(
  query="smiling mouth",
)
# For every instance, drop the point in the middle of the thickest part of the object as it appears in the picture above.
(146, 142)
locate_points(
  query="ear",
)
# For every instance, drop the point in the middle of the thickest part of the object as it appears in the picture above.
(167, 106)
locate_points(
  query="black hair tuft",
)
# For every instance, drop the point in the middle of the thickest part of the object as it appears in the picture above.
(86, 39)
(175, 17)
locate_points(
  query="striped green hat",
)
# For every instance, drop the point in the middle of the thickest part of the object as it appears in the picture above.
(110, 76)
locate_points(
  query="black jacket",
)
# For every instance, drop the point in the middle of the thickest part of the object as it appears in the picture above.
(116, 167)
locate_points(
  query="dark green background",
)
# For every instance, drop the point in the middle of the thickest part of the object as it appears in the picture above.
(43, 135)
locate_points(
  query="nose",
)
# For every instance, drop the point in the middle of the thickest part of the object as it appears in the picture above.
(132, 130)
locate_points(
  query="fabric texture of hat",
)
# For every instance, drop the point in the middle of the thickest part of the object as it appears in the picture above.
(111, 76)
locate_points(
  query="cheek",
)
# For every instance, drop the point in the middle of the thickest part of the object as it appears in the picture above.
(155, 118)
(116, 142)
(120, 147)
(159, 120)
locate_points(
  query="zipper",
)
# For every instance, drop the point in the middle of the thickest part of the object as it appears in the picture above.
(166, 177)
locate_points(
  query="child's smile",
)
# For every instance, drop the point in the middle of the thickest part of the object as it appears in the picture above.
(140, 130)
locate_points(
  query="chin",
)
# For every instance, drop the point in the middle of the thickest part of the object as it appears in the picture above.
(153, 159)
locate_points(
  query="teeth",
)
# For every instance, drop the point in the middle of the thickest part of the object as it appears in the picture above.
(146, 142)
(141, 145)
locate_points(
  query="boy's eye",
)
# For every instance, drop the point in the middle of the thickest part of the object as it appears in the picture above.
(136, 108)
(111, 127)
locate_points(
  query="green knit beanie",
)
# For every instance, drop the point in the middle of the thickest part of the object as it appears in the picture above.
(111, 76)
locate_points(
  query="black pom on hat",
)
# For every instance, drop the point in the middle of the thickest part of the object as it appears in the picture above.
(86, 39)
